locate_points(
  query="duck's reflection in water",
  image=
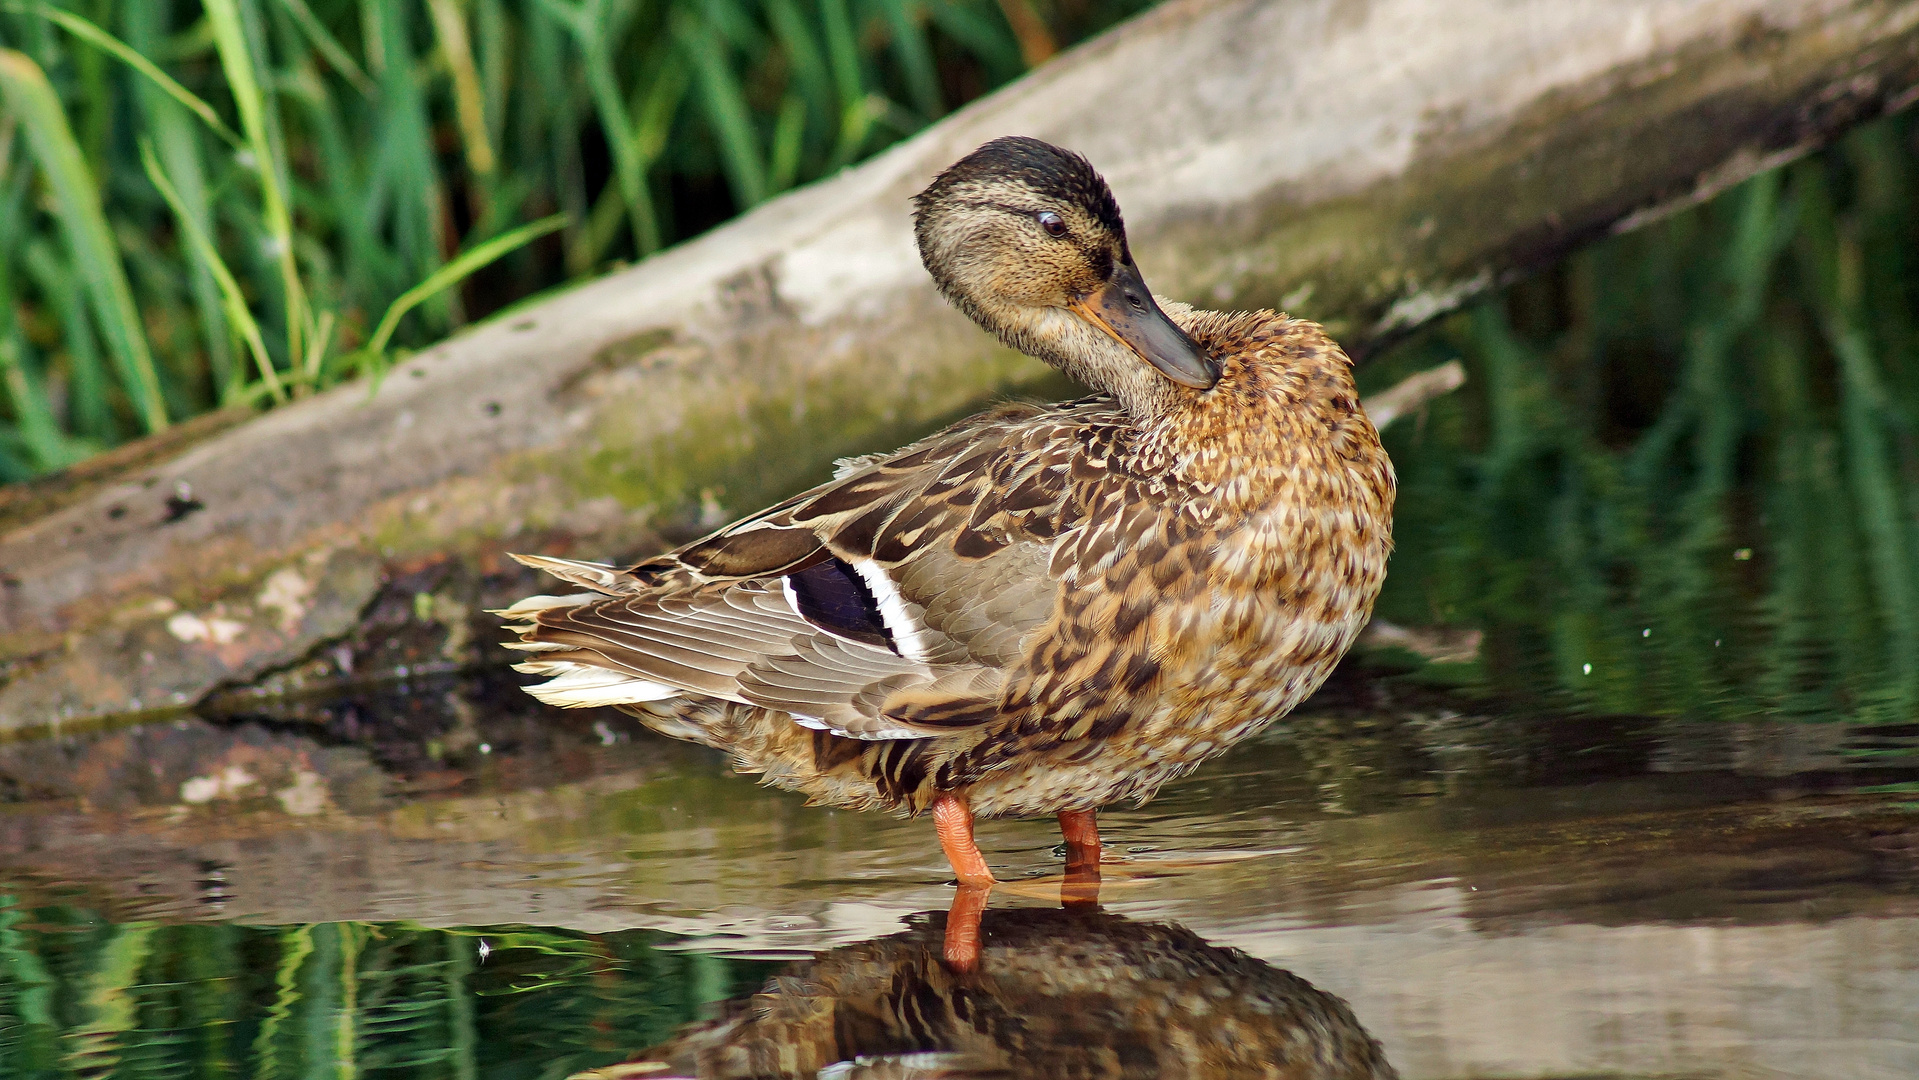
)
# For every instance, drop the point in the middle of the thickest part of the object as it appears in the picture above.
(1056, 994)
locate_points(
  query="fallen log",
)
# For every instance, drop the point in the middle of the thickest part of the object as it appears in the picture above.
(1368, 165)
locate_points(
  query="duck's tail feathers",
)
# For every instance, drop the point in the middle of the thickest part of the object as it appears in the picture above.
(575, 685)
(600, 577)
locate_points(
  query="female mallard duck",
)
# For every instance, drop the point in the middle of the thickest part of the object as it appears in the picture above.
(1040, 610)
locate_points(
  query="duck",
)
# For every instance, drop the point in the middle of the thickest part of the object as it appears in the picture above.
(1043, 609)
(1061, 993)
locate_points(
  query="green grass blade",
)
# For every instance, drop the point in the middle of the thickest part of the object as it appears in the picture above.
(787, 135)
(455, 271)
(469, 103)
(985, 38)
(407, 169)
(105, 1002)
(843, 56)
(628, 173)
(9, 128)
(317, 347)
(238, 64)
(496, 49)
(734, 24)
(456, 970)
(915, 57)
(39, 430)
(330, 48)
(238, 315)
(726, 109)
(180, 154)
(548, 122)
(802, 51)
(659, 106)
(296, 946)
(99, 38)
(842, 52)
(655, 107)
(1872, 468)
(89, 412)
(349, 195)
(27, 971)
(32, 98)
(178, 143)
(290, 76)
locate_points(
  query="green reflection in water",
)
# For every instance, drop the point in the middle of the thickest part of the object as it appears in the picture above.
(82, 997)
(1683, 478)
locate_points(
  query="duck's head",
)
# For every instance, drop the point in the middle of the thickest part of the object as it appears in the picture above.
(1025, 237)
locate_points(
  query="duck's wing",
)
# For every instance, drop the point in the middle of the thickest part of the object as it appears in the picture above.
(888, 603)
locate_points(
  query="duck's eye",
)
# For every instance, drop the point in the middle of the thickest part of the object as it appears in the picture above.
(1051, 222)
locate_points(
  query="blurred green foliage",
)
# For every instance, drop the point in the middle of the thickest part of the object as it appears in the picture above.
(1683, 478)
(82, 997)
(205, 203)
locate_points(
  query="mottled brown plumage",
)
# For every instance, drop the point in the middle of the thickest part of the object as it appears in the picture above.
(1057, 994)
(1040, 609)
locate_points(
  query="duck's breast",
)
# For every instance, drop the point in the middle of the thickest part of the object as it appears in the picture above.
(1284, 596)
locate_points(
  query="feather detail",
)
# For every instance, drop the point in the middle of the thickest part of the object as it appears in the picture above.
(540, 603)
(596, 576)
(905, 628)
(578, 686)
(832, 596)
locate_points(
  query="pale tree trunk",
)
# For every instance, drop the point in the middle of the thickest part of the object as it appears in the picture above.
(1366, 164)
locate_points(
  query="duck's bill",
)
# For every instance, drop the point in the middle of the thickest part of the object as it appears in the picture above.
(1125, 309)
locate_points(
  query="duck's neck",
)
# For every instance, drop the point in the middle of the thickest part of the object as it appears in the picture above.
(1086, 354)
(1284, 417)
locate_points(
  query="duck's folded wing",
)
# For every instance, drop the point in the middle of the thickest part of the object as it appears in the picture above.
(662, 646)
(886, 604)
(950, 542)
(738, 641)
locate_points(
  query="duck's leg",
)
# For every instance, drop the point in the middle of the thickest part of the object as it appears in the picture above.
(953, 820)
(1081, 830)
